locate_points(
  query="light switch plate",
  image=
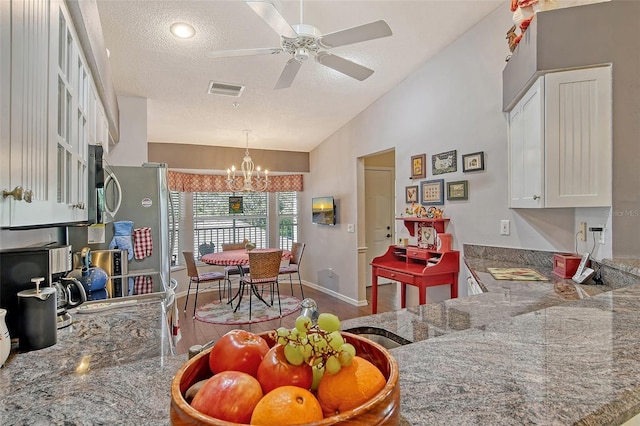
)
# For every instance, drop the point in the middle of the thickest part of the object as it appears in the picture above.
(504, 227)
(351, 227)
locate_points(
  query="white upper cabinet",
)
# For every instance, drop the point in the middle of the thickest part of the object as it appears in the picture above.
(69, 116)
(48, 106)
(27, 146)
(526, 149)
(560, 141)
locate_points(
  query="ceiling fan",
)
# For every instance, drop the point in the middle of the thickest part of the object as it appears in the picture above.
(302, 41)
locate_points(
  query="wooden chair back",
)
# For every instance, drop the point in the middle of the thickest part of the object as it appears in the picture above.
(296, 253)
(264, 265)
(190, 261)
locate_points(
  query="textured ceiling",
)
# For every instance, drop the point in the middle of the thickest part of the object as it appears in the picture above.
(174, 74)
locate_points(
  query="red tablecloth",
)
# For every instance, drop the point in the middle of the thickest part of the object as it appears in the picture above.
(236, 257)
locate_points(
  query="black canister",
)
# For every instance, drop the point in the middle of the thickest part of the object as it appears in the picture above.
(38, 326)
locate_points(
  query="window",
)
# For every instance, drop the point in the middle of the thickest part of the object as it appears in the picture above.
(214, 223)
(176, 222)
(287, 219)
(216, 218)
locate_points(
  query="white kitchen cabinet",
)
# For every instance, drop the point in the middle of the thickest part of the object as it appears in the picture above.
(46, 121)
(69, 115)
(27, 145)
(526, 149)
(560, 141)
(5, 107)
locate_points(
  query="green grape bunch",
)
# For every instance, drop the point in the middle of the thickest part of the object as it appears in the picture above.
(319, 345)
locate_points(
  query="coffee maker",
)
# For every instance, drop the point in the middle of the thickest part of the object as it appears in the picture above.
(69, 293)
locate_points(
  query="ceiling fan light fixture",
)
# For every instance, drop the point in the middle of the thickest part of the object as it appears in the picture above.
(301, 54)
(182, 30)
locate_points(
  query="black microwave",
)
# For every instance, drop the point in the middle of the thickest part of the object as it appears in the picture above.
(18, 266)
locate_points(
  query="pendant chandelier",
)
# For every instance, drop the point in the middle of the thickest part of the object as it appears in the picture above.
(247, 182)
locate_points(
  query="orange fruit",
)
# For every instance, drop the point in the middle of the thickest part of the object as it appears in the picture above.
(287, 405)
(350, 387)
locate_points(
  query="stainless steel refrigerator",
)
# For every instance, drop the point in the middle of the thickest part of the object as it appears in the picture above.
(139, 195)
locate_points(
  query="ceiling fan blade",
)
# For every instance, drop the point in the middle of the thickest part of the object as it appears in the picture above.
(344, 66)
(288, 74)
(269, 14)
(243, 52)
(370, 31)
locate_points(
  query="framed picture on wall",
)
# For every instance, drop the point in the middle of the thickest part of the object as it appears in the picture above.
(458, 190)
(418, 166)
(235, 205)
(473, 162)
(411, 194)
(432, 192)
(445, 162)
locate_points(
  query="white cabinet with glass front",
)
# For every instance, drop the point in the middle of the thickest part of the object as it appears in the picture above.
(560, 141)
(46, 120)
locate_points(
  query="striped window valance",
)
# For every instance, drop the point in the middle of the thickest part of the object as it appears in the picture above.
(188, 182)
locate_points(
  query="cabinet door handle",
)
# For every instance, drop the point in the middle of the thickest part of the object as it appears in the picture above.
(19, 194)
(79, 206)
(536, 197)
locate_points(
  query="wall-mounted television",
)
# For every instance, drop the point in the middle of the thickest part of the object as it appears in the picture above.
(323, 211)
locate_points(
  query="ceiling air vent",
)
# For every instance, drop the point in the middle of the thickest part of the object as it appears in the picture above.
(224, 89)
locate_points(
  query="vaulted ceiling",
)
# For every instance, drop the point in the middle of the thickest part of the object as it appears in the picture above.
(174, 74)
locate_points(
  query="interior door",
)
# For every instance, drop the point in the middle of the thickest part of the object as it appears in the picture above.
(379, 216)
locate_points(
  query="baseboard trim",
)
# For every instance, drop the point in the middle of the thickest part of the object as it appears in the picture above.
(354, 302)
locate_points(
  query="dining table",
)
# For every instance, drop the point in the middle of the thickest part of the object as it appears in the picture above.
(240, 259)
(237, 257)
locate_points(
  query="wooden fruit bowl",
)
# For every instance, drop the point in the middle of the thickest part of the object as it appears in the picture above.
(382, 409)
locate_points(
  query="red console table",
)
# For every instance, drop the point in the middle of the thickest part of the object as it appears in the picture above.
(418, 267)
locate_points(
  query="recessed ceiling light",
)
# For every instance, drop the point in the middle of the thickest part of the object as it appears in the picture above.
(182, 30)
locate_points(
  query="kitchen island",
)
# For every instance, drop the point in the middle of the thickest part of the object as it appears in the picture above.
(523, 352)
(543, 352)
(112, 367)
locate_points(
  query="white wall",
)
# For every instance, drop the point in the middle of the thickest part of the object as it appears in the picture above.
(452, 102)
(132, 149)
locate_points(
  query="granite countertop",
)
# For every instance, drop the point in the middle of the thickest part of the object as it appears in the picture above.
(522, 352)
(541, 352)
(110, 367)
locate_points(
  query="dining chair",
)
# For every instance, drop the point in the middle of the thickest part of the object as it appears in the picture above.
(294, 265)
(195, 277)
(233, 270)
(263, 271)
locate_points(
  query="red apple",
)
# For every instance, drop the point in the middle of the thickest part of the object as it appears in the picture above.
(230, 396)
(238, 350)
(275, 371)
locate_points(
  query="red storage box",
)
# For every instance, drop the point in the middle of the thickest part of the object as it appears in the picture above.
(565, 265)
(444, 243)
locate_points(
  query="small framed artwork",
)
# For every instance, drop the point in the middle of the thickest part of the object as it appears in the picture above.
(411, 194)
(432, 192)
(458, 190)
(418, 166)
(235, 205)
(445, 162)
(473, 162)
(426, 236)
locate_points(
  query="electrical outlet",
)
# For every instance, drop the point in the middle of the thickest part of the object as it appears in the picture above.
(504, 227)
(351, 227)
(602, 240)
(582, 231)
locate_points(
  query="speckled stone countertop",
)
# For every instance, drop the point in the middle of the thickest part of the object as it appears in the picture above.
(543, 352)
(524, 352)
(110, 367)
